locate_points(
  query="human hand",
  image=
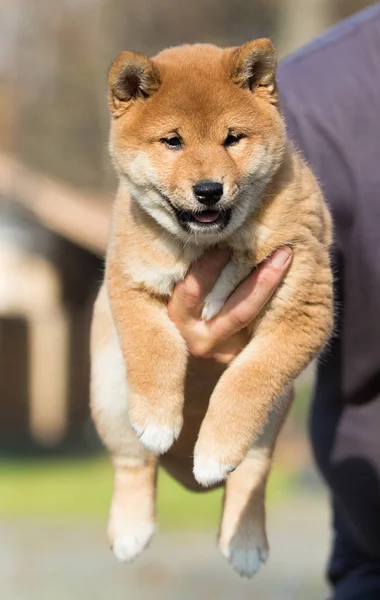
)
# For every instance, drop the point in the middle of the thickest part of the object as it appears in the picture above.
(224, 336)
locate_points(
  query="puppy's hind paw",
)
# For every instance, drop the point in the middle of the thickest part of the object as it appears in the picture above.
(246, 559)
(130, 543)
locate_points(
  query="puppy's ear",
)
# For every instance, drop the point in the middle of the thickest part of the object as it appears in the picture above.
(131, 76)
(253, 66)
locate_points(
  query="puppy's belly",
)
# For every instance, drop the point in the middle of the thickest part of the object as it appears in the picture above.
(201, 378)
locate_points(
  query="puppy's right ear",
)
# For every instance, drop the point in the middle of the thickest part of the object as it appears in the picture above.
(132, 76)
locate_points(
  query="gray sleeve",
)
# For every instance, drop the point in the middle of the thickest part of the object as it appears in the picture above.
(330, 98)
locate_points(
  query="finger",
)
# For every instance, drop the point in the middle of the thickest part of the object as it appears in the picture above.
(227, 350)
(189, 295)
(246, 302)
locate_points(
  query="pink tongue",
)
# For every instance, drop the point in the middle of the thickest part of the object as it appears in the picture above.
(209, 216)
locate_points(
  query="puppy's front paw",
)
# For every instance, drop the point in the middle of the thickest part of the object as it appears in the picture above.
(208, 471)
(157, 438)
(245, 555)
(129, 542)
(214, 457)
(212, 307)
(157, 422)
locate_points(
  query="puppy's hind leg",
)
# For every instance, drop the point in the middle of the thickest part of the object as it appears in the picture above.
(132, 515)
(242, 538)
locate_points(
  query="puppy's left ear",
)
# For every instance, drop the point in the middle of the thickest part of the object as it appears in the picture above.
(253, 66)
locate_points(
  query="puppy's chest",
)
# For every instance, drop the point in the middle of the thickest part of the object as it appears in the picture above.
(162, 280)
(158, 279)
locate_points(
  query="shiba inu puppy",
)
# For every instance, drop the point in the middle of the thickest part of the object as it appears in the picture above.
(203, 160)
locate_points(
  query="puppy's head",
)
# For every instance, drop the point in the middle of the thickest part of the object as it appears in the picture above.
(196, 134)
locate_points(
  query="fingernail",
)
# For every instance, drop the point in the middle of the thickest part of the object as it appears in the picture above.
(281, 257)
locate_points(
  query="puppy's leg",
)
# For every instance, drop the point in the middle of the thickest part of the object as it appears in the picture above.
(290, 333)
(242, 537)
(132, 516)
(155, 356)
(232, 274)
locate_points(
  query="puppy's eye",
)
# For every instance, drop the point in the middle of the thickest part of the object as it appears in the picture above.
(174, 142)
(232, 139)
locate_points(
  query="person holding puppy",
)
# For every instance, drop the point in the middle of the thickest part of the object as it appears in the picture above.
(330, 96)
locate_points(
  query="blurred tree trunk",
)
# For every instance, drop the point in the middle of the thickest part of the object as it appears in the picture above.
(299, 21)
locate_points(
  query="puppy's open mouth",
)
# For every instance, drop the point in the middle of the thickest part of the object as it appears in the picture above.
(206, 220)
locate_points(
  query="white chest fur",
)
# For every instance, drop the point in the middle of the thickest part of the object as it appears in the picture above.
(162, 280)
(158, 279)
(161, 265)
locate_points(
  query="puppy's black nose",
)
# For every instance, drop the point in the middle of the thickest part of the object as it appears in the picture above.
(208, 192)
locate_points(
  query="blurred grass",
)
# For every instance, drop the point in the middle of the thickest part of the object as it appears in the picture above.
(69, 488)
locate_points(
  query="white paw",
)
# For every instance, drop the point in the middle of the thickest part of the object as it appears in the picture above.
(212, 307)
(246, 559)
(208, 471)
(129, 544)
(157, 439)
